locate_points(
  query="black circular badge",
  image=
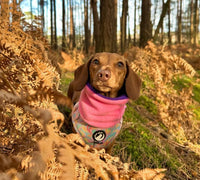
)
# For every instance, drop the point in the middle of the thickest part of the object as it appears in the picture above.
(99, 136)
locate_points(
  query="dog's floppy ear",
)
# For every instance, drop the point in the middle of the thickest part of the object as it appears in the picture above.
(132, 84)
(81, 76)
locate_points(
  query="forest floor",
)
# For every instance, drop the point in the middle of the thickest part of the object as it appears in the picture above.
(161, 130)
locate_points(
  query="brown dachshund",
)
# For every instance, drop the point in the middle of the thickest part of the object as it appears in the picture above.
(99, 92)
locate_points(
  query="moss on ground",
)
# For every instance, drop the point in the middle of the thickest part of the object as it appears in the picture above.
(138, 144)
(65, 81)
(148, 104)
(185, 82)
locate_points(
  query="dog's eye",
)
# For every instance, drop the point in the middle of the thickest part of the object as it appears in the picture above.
(120, 64)
(96, 61)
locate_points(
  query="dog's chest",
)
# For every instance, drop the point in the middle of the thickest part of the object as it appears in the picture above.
(94, 136)
(98, 119)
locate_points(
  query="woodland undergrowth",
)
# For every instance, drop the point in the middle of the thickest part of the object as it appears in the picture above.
(173, 105)
(161, 129)
(166, 123)
(31, 144)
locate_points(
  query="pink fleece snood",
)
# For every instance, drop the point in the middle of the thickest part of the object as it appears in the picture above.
(101, 111)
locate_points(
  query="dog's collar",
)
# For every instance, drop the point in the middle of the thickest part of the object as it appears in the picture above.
(105, 97)
(101, 111)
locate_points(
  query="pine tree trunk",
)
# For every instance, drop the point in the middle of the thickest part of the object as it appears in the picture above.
(96, 25)
(134, 39)
(72, 29)
(123, 25)
(145, 26)
(55, 27)
(51, 12)
(67, 37)
(108, 25)
(42, 14)
(63, 26)
(162, 35)
(129, 34)
(169, 26)
(180, 21)
(160, 24)
(196, 22)
(155, 13)
(86, 26)
(114, 44)
(90, 23)
(162, 28)
(191, 22)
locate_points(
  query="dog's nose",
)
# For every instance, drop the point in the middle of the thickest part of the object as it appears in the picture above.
(104, 75)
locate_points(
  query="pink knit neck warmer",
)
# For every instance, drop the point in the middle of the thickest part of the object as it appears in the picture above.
(100, 111)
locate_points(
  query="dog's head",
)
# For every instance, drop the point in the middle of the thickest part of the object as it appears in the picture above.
(109, 74)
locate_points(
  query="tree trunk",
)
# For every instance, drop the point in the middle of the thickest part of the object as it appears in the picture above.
(162, 28)
(96, 25)
(67, 33)
(114, 44)
(134, 39)
(162, 35)
(145, 26)
(55, 27)
(156, 4)
(90, 24)
(42, 14)
(86, 26)
(196, 22)
(63, 26)
(169, 25)
(51, 12)
(180, 21)
(191, 22)
(123, 25)
(160, 24)
(82, 29)
(129, 34)
(72, 29)
(108, 25)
